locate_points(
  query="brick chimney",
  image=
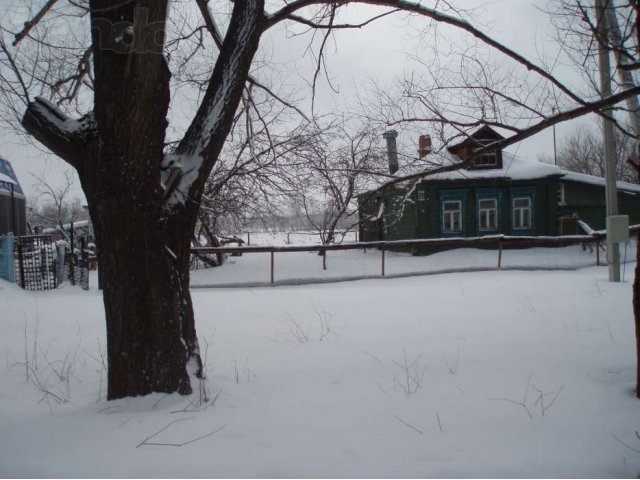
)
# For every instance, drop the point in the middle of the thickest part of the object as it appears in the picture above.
(424, 146)
(392, 150)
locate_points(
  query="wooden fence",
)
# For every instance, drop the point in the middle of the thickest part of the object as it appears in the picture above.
(289, 234)
(499, 242)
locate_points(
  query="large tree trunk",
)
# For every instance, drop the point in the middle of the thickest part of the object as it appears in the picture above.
(146, 296)
(143, 258)
(143, 239)
(144, 275)
(145, 335)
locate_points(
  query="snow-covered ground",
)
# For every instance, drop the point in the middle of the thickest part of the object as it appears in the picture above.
(482, 374)
(253, 269)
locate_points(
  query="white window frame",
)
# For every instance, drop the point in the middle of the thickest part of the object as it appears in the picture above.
(561, 195)
(448, 216)
(519, 214)
(484, 213)
(421, 195)
(489, 159)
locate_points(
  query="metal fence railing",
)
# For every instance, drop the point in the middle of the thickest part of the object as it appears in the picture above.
(36, 258)
(40, 263)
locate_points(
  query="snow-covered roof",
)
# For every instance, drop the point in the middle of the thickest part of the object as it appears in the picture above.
(593, 180)
(513, 168)
(8, 178)
(67, 226)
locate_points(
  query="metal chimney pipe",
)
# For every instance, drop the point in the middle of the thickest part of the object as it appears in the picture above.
(392, 150)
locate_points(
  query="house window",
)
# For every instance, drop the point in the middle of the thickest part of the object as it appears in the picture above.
(452, 216)
(561, 198)
(522, 213)
(421, 195)
(487, 214)
(488, 159)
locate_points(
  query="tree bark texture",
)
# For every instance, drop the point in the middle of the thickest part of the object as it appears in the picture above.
(143, 295)
(147, 350)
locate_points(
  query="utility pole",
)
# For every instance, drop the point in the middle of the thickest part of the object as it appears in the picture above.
(555, 150)
(625, 76)
(626, 81)
(613, 252)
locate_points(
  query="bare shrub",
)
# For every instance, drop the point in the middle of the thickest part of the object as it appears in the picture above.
(412, 374)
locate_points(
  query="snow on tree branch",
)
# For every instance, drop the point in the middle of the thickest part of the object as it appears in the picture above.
(198, 150)
(64, 136)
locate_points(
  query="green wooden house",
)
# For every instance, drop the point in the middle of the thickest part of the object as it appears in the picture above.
(499, 193)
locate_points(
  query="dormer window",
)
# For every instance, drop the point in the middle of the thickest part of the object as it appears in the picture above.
(488, 159)
(482, 137)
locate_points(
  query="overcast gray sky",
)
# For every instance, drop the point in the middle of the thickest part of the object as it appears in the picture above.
(381, 51)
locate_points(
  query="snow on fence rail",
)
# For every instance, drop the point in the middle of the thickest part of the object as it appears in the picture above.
(289, 235)
(498, 241)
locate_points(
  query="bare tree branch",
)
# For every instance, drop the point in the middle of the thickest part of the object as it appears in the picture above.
(285, 12)
(338, 26)
(28, 25)
(15, 70)
(521, 135)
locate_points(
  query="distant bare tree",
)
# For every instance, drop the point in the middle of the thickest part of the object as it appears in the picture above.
(342, 163)
(582, 151)
(54, 207)
(576, 32)
(254, 177)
